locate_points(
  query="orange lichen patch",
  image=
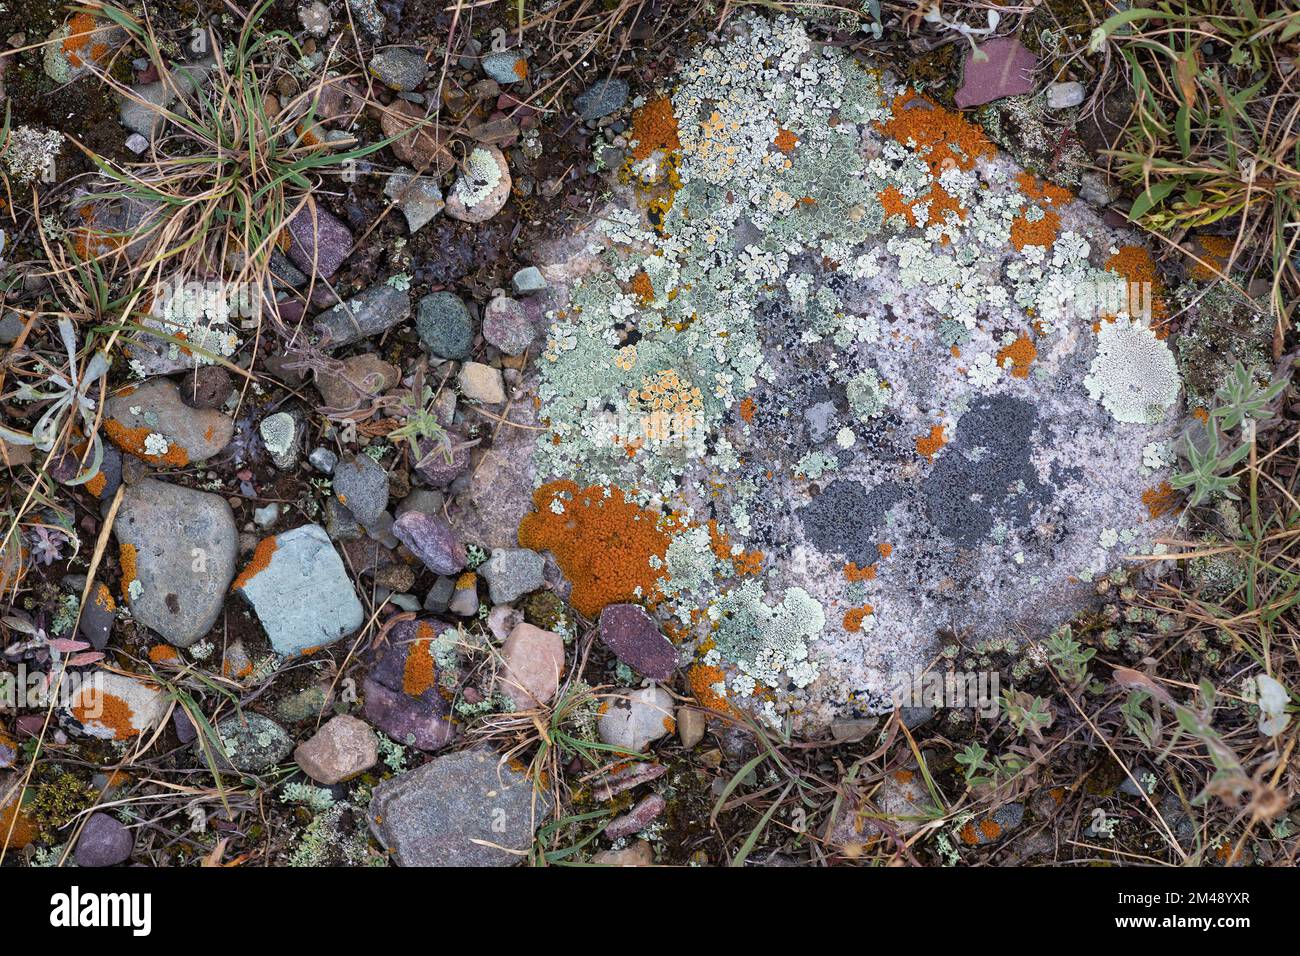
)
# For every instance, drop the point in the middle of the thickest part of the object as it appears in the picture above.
(702, 678)
(1217, 249)
(97, 484)
(785, 141)
(928, 445)
(602, 541)
(79, 43)
(943, 139)
(855, 616)
(97, 706)
(131, 440)
(126, 556)
(1041, 232)
(747, 409)
(747, 563)
(419, 674)
(466, 581)
(1038, 189)
(854, 573)
(1018, 356)
(163, 653)
(885, 549)
(1200, 414)
(1160, 500)
(1135, 265)
(654, 127)
(258, 563)
(103, 597)
(521, 68)
(670, 725)
(991, 829)
(904, 776)
(642, 287)
(939, 202)
(16, 828)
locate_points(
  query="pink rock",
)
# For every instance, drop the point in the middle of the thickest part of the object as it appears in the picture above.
(636, 819)
(534, 661)
(1008, 71)
(342, 749)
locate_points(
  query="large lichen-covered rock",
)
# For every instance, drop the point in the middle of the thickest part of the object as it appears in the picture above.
(868, 383)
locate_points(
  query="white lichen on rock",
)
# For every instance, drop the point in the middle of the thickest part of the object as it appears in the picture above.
(1133, 374)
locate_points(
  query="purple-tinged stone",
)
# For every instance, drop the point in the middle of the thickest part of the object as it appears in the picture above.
(625, 778)
(635, 639)
(431, 540)
(405, 702)
(636, 819)
(104, 842)
(318, 241)
(186, 732)
(436, 467)
(1008, 71)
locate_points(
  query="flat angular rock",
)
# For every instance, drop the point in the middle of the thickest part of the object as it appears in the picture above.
(1007, 71)
(342, 749)
(319, 242)
(177, 548)
(152, 423)
(633, 719)
(399, 68)
(511, 573)
(373, 311)
(431, 539)
(300, 591)
(403, 694)
(361, 486)
(432, 815)
(635, 639)
(418, 197)
(533, 664)
(507, 325)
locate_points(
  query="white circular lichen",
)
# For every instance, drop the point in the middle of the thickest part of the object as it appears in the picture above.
(1134, 374)
(277, 432)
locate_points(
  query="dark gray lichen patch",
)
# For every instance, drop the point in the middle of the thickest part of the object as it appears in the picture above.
(986, 472)
(845, 517)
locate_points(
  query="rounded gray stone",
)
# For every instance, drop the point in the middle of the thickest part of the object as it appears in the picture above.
(444, 325)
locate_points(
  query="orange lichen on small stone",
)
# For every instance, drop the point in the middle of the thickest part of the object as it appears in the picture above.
(521, 68)
(81, 31)
(854, 617)
(885, 549)
(1160, 500)
(602, 541)
(785, 141)
(163, 653)
(654, 127)
(97, 484)
(747, 409)
(466, 580)
(928, 445)
(1018, 356)
(968, 835)
(1201, 415)
(258, 563)
(131, 440)
(991, 829)
(126, 556)
(670, 725)
(109, 710)
(852, 572)
(104, 597)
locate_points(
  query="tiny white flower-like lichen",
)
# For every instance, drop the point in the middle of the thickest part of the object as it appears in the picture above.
(155, 444)
(482, 173)
(1134, 374)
